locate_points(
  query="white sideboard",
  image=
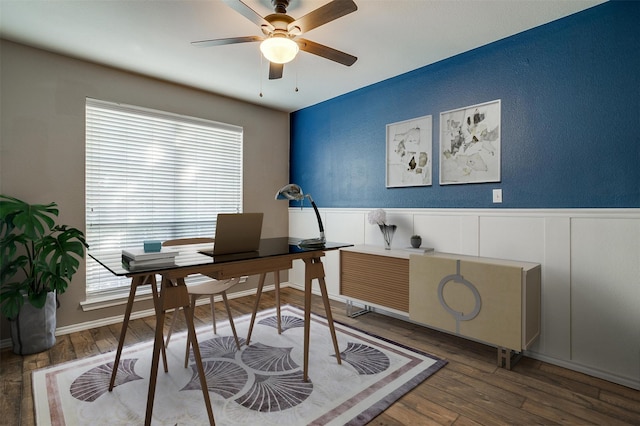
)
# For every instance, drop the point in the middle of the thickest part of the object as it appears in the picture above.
(494, 301)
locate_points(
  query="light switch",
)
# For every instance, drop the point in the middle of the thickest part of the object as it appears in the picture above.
(497, 195)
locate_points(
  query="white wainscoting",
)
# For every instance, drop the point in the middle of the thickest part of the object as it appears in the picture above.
(590, 270)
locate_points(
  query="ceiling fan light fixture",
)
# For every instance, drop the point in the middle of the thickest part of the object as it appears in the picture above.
(279, 49)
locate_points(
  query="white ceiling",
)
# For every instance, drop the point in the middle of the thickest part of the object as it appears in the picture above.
(152, 37)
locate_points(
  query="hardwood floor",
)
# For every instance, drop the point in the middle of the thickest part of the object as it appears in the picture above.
(470, 390)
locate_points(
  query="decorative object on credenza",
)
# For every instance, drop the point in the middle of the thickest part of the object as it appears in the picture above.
(38, 258)
(419, 250)
(387, 233)
(294, 192)
(416, 241)
(409, 152)
(470, 144)
(379, 217)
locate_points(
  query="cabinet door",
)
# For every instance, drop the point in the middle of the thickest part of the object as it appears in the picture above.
(380, 280)
(472, 299)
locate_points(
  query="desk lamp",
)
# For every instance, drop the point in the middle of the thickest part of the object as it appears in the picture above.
(294, 192)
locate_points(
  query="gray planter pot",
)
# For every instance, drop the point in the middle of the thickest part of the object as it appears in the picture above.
(34, 329)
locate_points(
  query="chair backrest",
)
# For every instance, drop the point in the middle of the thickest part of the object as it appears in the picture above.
(185, 241)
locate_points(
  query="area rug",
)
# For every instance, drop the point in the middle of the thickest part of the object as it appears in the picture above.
(261, 384)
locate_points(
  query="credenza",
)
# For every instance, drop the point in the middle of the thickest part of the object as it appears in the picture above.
(494, 301)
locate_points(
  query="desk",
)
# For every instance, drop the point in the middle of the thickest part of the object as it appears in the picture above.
(274, 255)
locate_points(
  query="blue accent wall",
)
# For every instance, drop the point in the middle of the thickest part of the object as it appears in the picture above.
(570, 100)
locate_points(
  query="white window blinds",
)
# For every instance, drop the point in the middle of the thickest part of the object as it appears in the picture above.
(152, 175)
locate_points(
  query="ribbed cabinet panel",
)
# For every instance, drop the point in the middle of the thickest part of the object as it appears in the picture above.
(380, 280)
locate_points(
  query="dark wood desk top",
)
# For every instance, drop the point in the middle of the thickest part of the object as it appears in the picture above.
(190, 257)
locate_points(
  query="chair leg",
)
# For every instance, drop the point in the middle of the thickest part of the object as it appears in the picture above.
(213, 313)
(233, 327)
(276, 278)
(193, 305)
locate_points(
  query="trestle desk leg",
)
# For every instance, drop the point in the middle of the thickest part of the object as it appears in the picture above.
(136, 282)
(255, 306)
(315, 269)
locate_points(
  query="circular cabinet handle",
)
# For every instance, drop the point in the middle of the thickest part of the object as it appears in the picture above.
(459, 316)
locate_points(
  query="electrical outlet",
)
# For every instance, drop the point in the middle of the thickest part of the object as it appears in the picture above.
(497, 195)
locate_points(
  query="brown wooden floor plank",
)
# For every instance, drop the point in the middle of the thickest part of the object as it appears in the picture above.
(532, 369)
(465, 421)
(36, 361)
(104, 339)
(385, 420)
(601, 384)
(560, 413)
(630, 403)
(11, 388)
(83, 344)
(489, 390)
(398, 414)
(574, 403)
(459, 403)
(9, 360)
(63, 350)
(27, 413)
(416, 401)
(482, 404)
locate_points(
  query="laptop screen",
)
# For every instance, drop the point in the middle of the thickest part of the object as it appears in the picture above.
(237, 233)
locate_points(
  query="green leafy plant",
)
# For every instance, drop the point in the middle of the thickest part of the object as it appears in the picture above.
(37, 255)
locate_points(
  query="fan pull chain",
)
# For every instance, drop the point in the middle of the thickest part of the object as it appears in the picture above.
(260, 73)
(296, 67)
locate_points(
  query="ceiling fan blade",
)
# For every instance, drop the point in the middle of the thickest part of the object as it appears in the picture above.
(249, 13)
(223, 41)
(326, 52)
(275, 71)
(320, 16)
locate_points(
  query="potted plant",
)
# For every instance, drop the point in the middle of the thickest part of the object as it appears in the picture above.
(38, 258)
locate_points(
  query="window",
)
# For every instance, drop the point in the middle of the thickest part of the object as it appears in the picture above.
(152, 175)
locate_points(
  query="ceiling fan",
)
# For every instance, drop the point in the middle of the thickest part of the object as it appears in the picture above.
(281, 40)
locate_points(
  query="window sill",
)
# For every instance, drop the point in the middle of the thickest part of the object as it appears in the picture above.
(114, 299)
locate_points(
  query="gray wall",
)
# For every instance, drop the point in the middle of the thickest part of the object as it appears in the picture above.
(42, 146)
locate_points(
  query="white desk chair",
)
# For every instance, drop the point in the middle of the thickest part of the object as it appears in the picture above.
(210, 288)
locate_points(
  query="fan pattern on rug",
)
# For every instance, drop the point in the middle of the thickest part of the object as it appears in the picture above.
(264, 378)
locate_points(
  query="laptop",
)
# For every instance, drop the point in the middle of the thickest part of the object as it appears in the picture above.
(237, 233)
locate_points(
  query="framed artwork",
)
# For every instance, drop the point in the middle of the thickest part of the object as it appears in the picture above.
(409, 152)
(470, 144)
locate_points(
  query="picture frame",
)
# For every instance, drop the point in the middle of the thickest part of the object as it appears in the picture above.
(470, 144)
(409, 159)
